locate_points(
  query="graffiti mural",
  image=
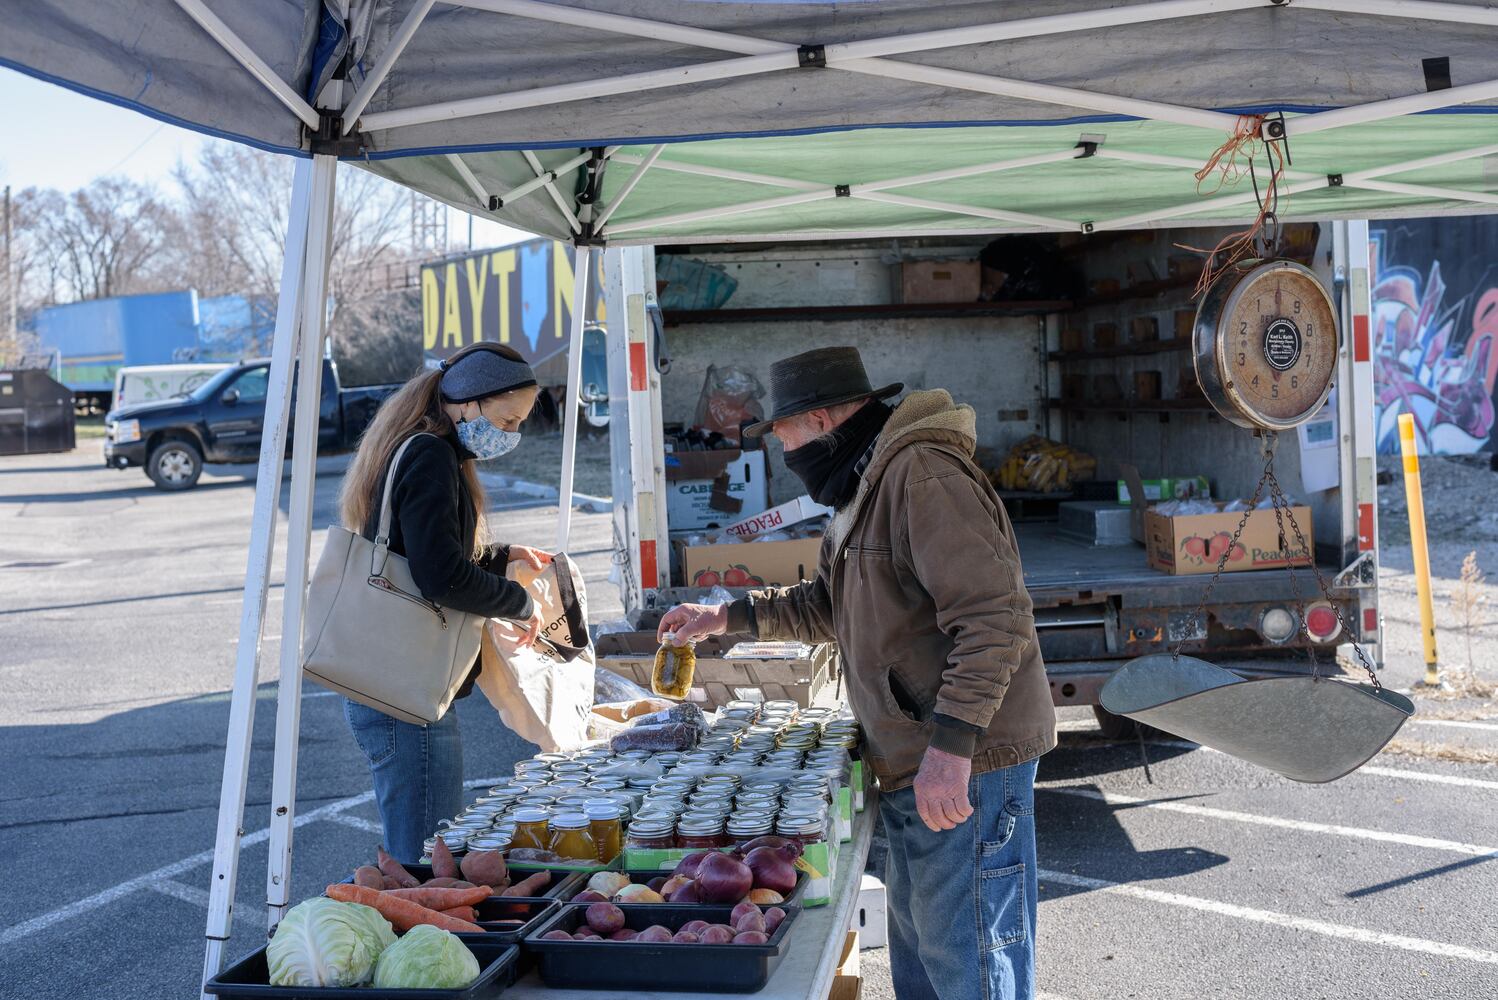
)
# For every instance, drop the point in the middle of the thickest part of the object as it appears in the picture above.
(1435, 331)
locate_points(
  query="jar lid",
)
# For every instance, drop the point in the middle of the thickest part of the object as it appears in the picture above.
(604, 809)
(799, 825)
(489, 842)
(530, 814)
(569, 821)
(651, 826)
(740, 825)
(699, 825)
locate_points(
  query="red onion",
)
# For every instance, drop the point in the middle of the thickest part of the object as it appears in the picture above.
(723, 879)
(688, 865)
(770, 841)
(687, 893)
(773, 868)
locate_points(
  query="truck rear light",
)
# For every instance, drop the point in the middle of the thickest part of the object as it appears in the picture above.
(1322, 624)
(1277, 625)
(1370, 622)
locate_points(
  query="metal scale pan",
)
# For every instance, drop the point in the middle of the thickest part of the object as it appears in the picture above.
(1311, 729)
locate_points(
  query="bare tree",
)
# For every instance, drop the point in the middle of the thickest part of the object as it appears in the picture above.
(108, 239)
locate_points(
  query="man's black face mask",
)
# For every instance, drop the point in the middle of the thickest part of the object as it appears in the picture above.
(830, 466)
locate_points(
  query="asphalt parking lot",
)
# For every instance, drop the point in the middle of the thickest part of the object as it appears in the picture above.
(118, 615)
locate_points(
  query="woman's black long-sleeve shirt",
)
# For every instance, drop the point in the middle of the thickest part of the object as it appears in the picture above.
(433, 526)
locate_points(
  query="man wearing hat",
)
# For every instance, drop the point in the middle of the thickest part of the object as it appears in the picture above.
(919, 582)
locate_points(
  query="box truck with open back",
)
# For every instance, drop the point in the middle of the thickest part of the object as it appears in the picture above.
(1109, 374)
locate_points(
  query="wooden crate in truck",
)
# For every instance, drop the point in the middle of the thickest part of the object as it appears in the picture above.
(718, 679)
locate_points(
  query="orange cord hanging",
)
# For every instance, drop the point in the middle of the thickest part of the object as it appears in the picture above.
(1247, 141)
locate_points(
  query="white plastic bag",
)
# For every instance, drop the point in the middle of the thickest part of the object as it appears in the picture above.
(543, 692)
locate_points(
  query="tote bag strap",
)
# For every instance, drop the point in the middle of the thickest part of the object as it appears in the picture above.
(567, 593)
(382, 530)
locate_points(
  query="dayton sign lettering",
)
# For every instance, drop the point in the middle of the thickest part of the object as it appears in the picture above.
(519, 295)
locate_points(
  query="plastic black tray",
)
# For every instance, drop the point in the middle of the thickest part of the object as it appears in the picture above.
(641, 876)
(628, 965)
(531, 913)
(567, 882)
(249, 979)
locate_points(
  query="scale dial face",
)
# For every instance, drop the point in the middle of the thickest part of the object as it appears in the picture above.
(1266, 345)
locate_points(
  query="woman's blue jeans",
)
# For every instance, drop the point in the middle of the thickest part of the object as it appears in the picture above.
(962, 902)
(417, 770)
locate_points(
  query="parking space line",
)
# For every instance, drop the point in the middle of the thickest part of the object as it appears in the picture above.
(1459, 723)
(199, 897)
(1386, 772)
(1273, 918)
(40, 923)
(1304, 826)
(357, 822)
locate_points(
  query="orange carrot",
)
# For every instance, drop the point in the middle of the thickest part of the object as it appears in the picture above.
(462, 913)
(529, 886)
(402, 913)
(442, 899)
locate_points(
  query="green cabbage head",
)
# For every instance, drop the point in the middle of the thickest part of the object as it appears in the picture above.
(426, 958)
(322, 942)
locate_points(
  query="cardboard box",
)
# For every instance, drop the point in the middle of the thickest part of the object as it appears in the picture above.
(847, 984)
(940, 281)
(1143, 329)
(719, 680)
(709, 488)
(1155, 490)
(1146, 385)
(751, 564)
(1193, 543)
(803, 508)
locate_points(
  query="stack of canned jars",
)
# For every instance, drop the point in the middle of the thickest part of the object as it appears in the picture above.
(760, 769)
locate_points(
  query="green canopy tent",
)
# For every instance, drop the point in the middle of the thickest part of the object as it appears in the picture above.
(615, 122)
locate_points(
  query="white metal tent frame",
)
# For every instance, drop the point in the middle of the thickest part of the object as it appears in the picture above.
(344, 127)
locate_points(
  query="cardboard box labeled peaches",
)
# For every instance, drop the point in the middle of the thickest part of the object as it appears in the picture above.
(1193, 543)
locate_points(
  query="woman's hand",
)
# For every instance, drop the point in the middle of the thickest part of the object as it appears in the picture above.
(534, 558)
(693, 621)
(532, 626)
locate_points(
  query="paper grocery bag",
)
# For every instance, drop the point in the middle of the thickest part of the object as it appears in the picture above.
(544, 692)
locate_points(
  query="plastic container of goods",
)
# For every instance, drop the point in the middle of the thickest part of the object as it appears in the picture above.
(249, 978)
(644, 876)
(672, 968)
(564, 884)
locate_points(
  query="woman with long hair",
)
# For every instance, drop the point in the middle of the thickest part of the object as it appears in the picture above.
(469, 409)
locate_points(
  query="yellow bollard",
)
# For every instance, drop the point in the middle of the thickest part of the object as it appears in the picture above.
(1416, 503)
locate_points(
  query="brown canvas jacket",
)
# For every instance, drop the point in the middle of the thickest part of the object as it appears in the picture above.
(919, 582)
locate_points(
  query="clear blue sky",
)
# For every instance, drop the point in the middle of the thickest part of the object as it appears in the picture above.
(52, 137)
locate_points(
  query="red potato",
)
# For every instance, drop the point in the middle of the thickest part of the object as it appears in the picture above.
(556, 936)
(751, 937)
(716, 934)
(696, 926)
(605, 918)
(740, 910)
(773, 918)
(586, 934)
(655, 934)
(590, 896)
(684, 937)
(624, 935)
(750, 922)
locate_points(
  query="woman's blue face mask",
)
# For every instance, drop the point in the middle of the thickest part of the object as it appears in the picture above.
(484, 440)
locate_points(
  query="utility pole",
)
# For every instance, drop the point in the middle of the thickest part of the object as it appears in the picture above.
(10, 275)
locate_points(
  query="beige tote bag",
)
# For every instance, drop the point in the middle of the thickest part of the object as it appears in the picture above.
(371, 635)
(543, 692)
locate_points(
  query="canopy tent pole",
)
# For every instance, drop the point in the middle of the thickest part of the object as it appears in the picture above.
(246, 57)
(382, 66)
(723, 211)
(629, 184)
(951, 208)
(221, 889)
(551, 189)
(470, 179)
(542, 179)
(299, 534)
(723, 173)
(583, 261)
(1394, 107)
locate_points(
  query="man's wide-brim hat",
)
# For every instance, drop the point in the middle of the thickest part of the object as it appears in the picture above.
(827, 376)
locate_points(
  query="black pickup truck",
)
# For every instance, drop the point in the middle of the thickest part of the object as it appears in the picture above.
(222, 420)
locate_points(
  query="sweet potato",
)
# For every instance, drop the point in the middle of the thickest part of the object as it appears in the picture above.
(447, 883)
(402, 913)
(529, 886)
(392, 868)
(484, 867)
(442, 899)
(392, 883)
(444, 865)
(467, 913)
(369, 875)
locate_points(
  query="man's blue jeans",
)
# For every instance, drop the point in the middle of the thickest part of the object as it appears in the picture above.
(417, 770)
(962, 901)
